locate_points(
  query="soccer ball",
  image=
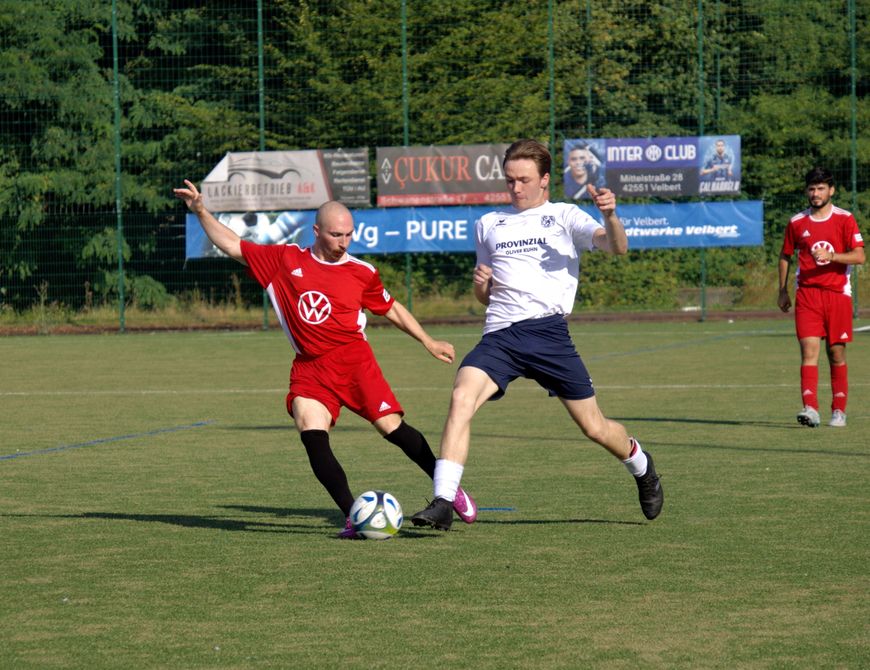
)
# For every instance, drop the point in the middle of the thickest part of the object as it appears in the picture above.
(376, 515)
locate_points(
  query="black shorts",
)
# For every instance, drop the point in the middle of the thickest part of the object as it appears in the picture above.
(538, 349)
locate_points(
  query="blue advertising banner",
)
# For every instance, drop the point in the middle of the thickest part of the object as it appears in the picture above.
(658, 166)
(451, 229)
(693, 224)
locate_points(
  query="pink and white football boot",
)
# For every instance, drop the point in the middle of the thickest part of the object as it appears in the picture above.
(465, 506)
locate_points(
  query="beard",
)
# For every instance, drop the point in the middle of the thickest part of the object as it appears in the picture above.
(823, 202)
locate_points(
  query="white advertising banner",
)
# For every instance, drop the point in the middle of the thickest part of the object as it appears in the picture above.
(263, 181)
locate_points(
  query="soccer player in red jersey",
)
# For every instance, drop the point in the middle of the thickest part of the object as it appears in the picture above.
(828, 242)
(320, 294)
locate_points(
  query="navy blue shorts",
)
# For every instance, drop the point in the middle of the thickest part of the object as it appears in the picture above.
(538, 349)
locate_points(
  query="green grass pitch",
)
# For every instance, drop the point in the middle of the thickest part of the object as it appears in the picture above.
(157, 511)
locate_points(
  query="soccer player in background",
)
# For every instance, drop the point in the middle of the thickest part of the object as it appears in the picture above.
(319, 294)
(528, 265)
(828, 243)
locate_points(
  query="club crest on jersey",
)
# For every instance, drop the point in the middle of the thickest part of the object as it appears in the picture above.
(822, 244)
(548, 220)
(314, 307)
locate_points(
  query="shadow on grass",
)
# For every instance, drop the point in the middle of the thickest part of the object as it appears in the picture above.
(221, 523)
(226, 524)
(277, 511)
(408, 531)
(642, 419)
(785, 449)
(292, 429)
(704, 422)
(281, 426)
(548, 522)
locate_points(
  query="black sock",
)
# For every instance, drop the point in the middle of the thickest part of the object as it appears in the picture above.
(411, 441)
(326, 468)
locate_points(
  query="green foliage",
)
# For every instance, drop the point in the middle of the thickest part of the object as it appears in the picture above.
(777, 72)
(447, 275)
(103, 248)
(636, 280)
(140, 291)
(148, 293)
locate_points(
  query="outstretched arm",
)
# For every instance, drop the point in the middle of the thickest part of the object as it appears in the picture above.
(612, 237)
(405, 321)
(221, 236)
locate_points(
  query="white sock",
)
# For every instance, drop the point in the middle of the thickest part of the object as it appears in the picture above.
(636, 463)
(446, 479)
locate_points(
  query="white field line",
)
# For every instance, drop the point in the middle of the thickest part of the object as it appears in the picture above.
(445, 389)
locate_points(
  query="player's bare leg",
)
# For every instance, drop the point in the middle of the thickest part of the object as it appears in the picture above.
(471, 389)
(609, 434)
(811, 347)
(612, 436)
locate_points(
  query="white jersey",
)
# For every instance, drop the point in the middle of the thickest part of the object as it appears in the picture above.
(535, 260)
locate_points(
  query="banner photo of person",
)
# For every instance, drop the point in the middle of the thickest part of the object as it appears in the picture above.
(469, 174)
(451, 229)
(289, 227)
(278, 180)
(659, 166)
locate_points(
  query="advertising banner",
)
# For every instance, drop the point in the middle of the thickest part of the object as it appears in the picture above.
(660, 166)
(441, 175)
(693, 224)
(451, 229)
(261, 181)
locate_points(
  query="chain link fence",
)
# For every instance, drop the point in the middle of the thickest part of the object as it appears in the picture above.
(108, 106)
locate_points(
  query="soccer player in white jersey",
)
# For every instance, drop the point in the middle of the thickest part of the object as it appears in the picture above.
(526, 274)
(828, 242)
(319, 294)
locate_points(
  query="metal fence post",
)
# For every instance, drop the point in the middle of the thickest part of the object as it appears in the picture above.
(551, 73)
(261, 95)
(409, 292)
(701, 131)
(853, 131)
(116, 102)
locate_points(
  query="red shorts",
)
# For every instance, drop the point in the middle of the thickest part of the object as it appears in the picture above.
(819, 312)
(348, 376)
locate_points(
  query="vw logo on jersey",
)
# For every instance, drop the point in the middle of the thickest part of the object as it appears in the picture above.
(314, 307)
(822, 244)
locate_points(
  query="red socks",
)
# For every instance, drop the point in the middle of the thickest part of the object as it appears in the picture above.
(839, 387)
(810, 386)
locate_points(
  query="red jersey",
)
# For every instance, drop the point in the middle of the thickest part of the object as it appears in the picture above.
(319, 305)
(838, 233)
